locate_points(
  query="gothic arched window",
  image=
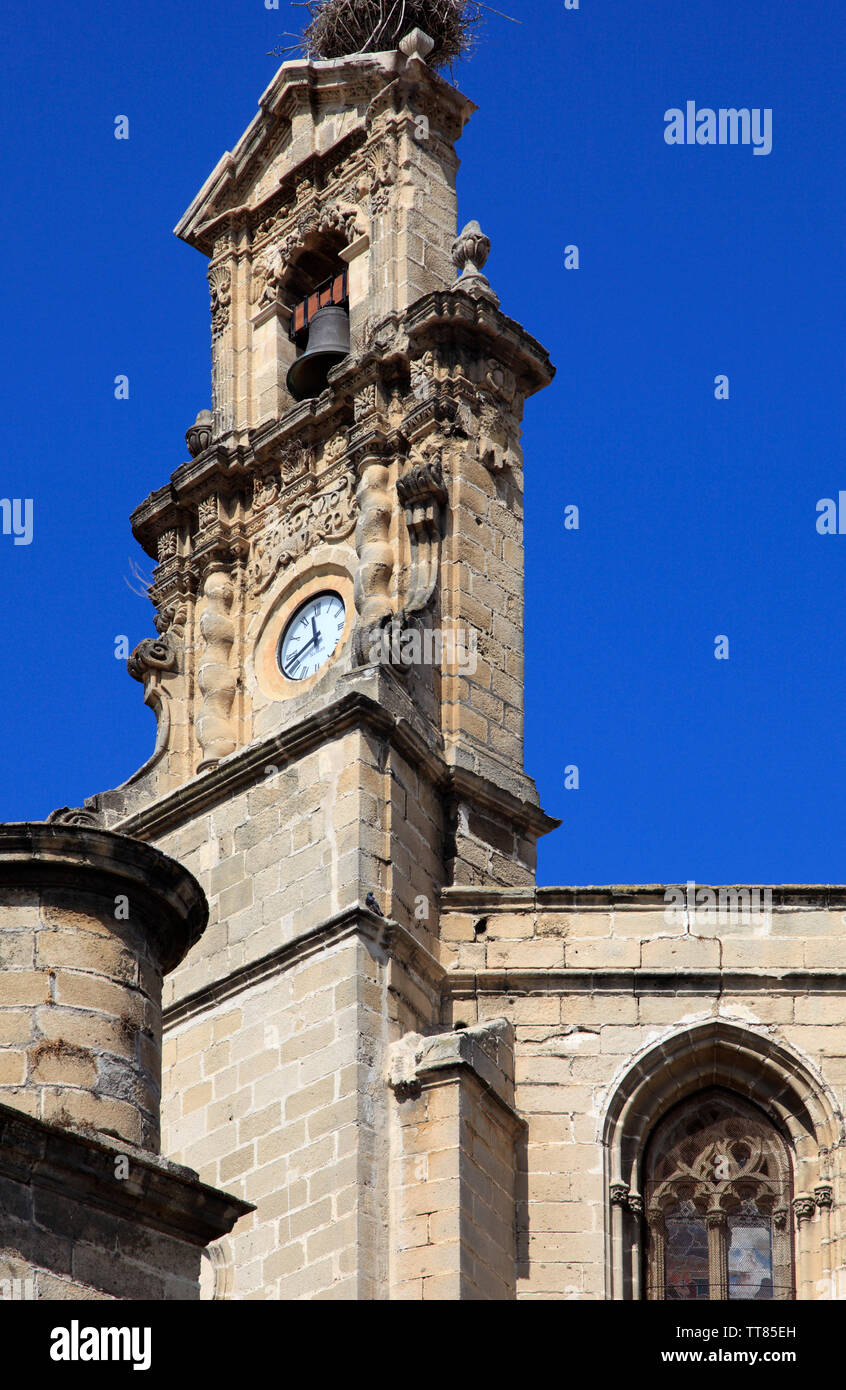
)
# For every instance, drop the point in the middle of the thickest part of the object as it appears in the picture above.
(717, 1202)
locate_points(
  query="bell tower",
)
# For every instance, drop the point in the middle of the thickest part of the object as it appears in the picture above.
(337, 673)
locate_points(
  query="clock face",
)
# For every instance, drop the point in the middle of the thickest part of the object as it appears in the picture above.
(312, 636)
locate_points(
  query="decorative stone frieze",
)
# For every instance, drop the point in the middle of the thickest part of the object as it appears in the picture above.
(328, 515)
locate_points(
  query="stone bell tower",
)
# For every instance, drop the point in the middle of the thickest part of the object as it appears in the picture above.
(338, 671)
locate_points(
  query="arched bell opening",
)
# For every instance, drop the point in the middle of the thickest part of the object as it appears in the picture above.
(316, 291)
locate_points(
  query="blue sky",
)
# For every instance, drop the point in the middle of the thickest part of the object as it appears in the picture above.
(697, 515)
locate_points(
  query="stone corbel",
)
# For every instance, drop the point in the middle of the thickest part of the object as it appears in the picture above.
(422, 493)
(804, 1207)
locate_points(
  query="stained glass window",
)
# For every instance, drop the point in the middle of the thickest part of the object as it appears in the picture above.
(717, 1196)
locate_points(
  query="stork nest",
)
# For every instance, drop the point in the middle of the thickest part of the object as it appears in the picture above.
(338, 28)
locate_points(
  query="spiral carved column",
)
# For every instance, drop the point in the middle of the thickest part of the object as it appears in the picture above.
(372, 539)
(215, 676)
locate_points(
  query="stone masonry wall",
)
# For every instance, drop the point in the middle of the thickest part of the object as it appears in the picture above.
(453, 1168)
(278, 1095)
(594, 979)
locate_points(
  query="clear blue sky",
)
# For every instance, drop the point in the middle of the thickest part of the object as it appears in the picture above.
(697, 516)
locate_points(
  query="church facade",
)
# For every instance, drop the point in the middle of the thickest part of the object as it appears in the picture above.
(417, 1074)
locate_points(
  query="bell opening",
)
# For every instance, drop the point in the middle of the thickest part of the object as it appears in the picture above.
(320, 325)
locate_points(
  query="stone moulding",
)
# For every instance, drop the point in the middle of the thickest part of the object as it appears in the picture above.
(384, 935)
(353, 710)
(73, 857)
(162, 1196)
(484, 1050)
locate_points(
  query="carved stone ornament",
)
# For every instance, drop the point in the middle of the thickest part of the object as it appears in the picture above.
(199, 436)
(166, 546)
(635, 1204)
(153, 654)
(207, 512)
(823, 1195)
(220, 290)
(215, 676)
(471, 249)
(336, 219)
(500, 380)
(171, 618)
(159, 653)
(381, 175)
(804, 1207)
(75, 815)
(334, 449)
(417, 45)
(265, 491)
(294, 459)
(365, 401)
(619, 1194)
(422, 493)
(327, 516)
(266, 279)
(470, 252)
(423, 376)
(268, 223)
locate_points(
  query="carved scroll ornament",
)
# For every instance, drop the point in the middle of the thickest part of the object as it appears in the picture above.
(327, 516)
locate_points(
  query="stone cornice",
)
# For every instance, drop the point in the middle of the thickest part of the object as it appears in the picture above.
(443, 317)
(630, 897)
(468, 984)
(383, 934)
(79, 858)
(385, 81)
(457, 316)
(156, 1194)
(353, 710)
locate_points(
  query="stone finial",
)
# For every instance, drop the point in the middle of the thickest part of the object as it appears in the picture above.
(417, 45)
(199, 437)
(470, 252)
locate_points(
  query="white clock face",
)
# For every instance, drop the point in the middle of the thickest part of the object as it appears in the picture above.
(312, 636)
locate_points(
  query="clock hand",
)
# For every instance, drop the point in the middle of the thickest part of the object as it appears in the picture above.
(292, 661)
(316, 637)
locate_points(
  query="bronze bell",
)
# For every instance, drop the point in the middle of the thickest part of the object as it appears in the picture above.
(328, 344)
